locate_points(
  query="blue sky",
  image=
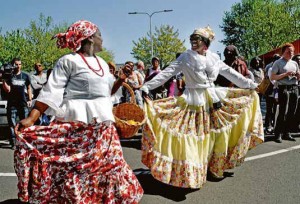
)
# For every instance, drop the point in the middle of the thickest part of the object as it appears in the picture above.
(119, 28)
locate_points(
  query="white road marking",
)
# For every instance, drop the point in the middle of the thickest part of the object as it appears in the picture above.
(7, 174)
(272, 153)
(247, 159)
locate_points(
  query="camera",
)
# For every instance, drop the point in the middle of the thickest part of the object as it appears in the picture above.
(8, 70)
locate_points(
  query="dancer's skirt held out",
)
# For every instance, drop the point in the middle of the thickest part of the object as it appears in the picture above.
(74, 162)
(182, 142)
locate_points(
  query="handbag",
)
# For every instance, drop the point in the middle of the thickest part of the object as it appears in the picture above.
(264, 86)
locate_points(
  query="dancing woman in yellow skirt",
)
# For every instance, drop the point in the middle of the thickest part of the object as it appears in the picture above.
(207, 128)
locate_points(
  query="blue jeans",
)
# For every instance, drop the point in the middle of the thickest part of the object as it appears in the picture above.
(12, 113)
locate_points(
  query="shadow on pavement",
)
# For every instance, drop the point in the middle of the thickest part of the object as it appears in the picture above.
(133, 142)
(152, 186)
(4, 135)
(5, 146)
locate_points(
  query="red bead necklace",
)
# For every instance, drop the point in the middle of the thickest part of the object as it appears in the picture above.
(91, 68)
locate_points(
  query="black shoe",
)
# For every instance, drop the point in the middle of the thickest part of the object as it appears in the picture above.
(278, 138)
(269, 130)
(288, 136)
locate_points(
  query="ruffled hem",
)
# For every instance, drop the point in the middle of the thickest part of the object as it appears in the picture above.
(176, 173)
(74, 163)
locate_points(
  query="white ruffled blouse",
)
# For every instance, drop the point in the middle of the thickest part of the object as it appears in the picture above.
(75, 93)
(200, 72)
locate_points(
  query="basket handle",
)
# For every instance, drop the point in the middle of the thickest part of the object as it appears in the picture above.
(132, 100)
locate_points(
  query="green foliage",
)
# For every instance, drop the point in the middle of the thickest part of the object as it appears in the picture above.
(165, 46)
(258, 26)
(107, 55)
(35, 44)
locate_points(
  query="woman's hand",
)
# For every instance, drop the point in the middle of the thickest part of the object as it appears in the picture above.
(35, 113)
(27, 122)
(125, 72)
(146, 97)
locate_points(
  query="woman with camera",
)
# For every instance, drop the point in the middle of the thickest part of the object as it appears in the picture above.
(78, 157)
(207, 128)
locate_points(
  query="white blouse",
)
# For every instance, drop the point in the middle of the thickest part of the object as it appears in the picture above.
(75, 93)
(200, 72)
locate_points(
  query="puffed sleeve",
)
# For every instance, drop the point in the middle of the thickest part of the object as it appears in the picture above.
(52, 93)
(235, 77)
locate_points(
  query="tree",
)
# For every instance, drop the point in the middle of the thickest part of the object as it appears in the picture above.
(35, 44)
(257, 26)
(107, 55)
(165, 46)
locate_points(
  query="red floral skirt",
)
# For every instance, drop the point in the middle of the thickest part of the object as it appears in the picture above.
(73, 162)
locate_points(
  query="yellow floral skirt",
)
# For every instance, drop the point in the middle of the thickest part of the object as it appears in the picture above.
(182, 142)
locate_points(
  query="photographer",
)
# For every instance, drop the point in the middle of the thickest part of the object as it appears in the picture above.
(16, 83)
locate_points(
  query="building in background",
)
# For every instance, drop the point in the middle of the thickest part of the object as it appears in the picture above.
(267, 57)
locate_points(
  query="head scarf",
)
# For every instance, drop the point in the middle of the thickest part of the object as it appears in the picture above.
(76, 33)
(206, 32)
(233, 49)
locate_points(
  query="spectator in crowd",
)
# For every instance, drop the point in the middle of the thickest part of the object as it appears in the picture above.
(175, 85)
(205, 128)
(38, 79)
(256, 69)
(286, 72)
(171, 86)
(112, 69)
(154, 70)
(180, 80)
(116, 98)
(161, 91)
(49, 71)
(78, 157)
(233, 60)
(135, 82)
(296, 58)
(140, 70)
(270, 98)
(19, 96)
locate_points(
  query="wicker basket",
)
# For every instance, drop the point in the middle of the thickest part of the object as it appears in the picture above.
(125, 112)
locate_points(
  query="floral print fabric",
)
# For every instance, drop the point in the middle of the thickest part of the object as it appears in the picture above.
(73, 162)
(76, 33)
(182, 142)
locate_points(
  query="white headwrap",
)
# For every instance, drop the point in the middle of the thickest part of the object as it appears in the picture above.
(206, 32)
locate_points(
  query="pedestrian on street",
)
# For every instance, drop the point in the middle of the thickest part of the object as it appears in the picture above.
(286, 72)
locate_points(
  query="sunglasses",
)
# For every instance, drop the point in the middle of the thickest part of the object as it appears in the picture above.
(38, 65)
(196, 38)
(200, 38)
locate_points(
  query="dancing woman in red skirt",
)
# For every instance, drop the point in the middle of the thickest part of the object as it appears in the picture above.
(78, 157)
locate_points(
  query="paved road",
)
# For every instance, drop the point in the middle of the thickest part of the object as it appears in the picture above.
(271, 179)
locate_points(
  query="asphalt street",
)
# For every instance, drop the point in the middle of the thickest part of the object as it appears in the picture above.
(270, 175)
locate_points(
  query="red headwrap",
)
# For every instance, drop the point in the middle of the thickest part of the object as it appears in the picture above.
(77, 32)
